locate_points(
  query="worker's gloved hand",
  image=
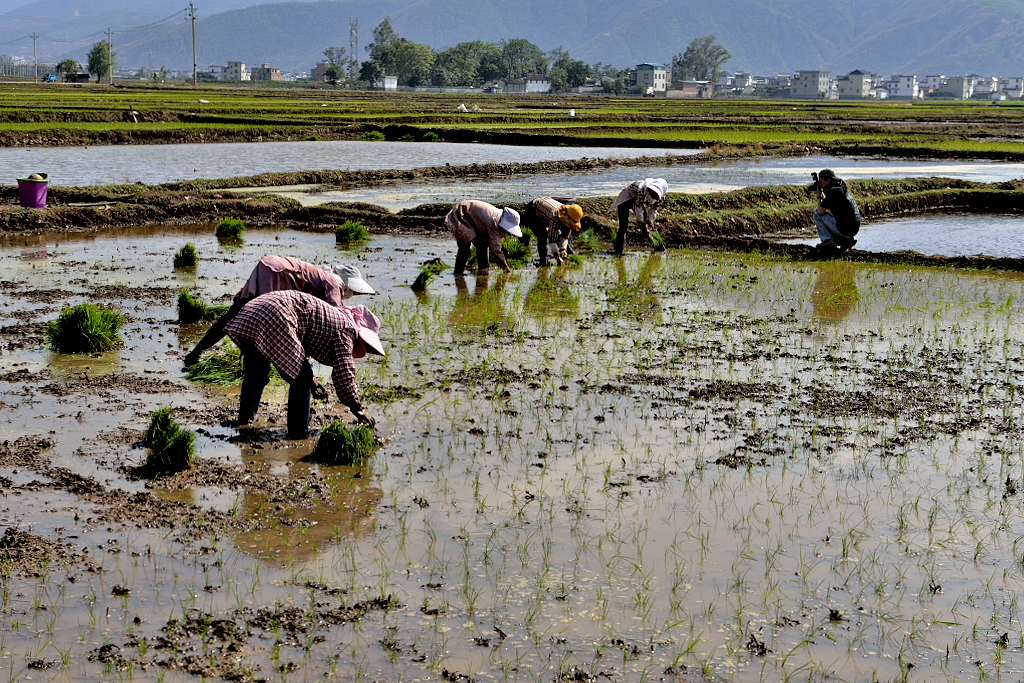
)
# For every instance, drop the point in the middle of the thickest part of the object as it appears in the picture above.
(363, 417)
(319, 391)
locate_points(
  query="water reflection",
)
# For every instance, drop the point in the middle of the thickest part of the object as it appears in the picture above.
(551, 297)
(483, 308)
(636, 300)
(835, 291)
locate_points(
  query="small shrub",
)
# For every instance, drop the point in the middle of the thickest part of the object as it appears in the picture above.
(86, 328)
(192, 309)
(171, 448)
(517, 251)
(350, 233)
(374, 136)
(231, 231)
(431, 136)
(187, 257)
(341, 445)
(428, 271)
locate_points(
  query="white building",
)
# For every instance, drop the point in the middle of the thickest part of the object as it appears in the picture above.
(653, 77)
(903, 87)
(957, 87)
(1013, 88)
(813, 85)
(236, 72)
(528, 85)
(387, 83)
(985, 86)
(856, 85)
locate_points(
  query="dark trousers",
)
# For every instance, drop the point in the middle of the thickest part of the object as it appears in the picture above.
(620, 237)
(483, 255)
(256, 376)
(539, 228)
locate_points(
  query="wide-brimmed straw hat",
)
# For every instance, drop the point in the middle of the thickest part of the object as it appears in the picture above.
(509, 222)
(572, 216)
(353, 279)
(367, 328)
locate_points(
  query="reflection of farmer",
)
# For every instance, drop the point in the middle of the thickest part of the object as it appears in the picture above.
(285, 329)
(278, 273)
(636, 300)
(837, 216)
(553, 223)
(479, 224)
(485, 307)
(835, 291)
(551, 296)
(644, 198)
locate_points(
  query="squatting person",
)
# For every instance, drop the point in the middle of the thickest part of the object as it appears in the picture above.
(483, 225)
(837, 216)
(287, 328)
(279, 273)
(553, 223)
(644, 198)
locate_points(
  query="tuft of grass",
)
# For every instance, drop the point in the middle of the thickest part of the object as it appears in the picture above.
(342, 445)
(192, 309)
(171, 447)
(374, 136)
(187, 256)
(657, 241)
(431, 136)
(86, 328)
(231, 231)
(428, 271)
(351, 233)
(517, 251)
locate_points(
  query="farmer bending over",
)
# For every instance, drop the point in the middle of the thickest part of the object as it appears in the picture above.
(479, 224)
(645, 198)
(285, 329)
(278, 273)
(837, 216)
(553, 223)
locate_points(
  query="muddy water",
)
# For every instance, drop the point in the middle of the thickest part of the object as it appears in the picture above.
(154, 164)
(954, 235)
(557, 496)
(718, 177)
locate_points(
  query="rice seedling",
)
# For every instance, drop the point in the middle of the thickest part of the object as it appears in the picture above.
(231, 231)
(86, 328)
(373, 136)
(192, 309)
(220, 367)
(428, 271)
(517, 250)
(340, 444)
(187, 256)
(171, 448)
(351, 233)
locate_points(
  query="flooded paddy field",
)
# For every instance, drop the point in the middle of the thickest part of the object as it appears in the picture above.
(155, 164)
(716, 176)
(685, 466)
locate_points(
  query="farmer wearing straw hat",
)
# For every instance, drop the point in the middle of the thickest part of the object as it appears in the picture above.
(645, 198)
(479, 224)
(553, 223)
(278, 273)
(285, 329)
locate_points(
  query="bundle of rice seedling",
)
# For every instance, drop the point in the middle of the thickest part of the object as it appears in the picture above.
(192, 309)
(222, 367)
(86, 328)
(351, 233)
(343, 445)
(657, 241)
(187, 257)
(231, 231)
(171, 448)
(516, 250)
(428, 271)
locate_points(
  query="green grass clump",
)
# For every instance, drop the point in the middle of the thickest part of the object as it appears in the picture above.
(586, 241)
(222, 367)
(231, 231)
(351, 233)
(171, 448)
(86, 328)
(428, 271)
(374, 136)
(657, 241)
(431, 136)
(341, 445)
(187, 257)
(517, 251)
(192, 309)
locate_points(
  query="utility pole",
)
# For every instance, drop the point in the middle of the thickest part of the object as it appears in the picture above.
(195, 60)
(110, 56)
(35, 53)
(353, 48)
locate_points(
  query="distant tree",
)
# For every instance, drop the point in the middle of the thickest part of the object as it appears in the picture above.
(393, 55)
(702, 61)
(413, 63)
(467, 64)
(101, 60)
(566, 72)
(338, 64)
(160, 76)
(384, 45)
(520, 58)
(68, 66)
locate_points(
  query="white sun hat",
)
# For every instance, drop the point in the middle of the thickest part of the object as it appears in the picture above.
(352, 278)
(367, 327)
(509, 222)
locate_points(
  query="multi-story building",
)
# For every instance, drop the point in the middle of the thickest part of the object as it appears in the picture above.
(903, 87)
(957, 87)
(985, 86)
(856, 85)
(651, 78)
(236, 72)
(265, 72)
(813, 85)
(1013, 88)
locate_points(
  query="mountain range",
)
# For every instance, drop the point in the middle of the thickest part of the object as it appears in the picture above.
(764, 36)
